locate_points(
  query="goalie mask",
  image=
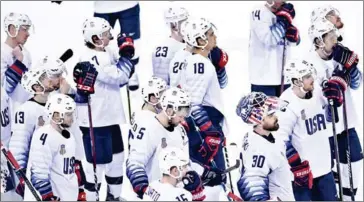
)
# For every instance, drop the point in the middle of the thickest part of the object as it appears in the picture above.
(253, 107)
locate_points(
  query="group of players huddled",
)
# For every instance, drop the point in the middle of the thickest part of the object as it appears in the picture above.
(177, 139)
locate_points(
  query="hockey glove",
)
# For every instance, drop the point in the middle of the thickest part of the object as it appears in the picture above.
(13, 75)
(302, 175)
(137, 177)
(126, 46)
(219, 59)
(81, 177)
(328, 114)
(286, 14)
(212, 176)
(292, 155)
(194, 185)
(210, 146)
(81, 195)
(84, 75)
(334, 89)
(344, 56)
(292, 34)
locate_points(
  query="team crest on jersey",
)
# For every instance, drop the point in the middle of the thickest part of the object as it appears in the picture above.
(63, 149)
(303, 114)
(164, 143)
(41, 121)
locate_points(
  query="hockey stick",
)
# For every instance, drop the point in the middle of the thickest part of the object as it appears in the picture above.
(348, 150)
(331, 103)
(228, 164)
(66, 55)
(21, 175)
(229, 169)
(282, 69)
(93, 146)
(129, 106)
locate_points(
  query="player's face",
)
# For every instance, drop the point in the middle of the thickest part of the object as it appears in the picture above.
(334, 17)
(56, 81)
(67, 120)
(270, 123)
(106, 36)
(23, 34)
(330, 40)
(48, 84)
(211, 38)
(308, 82)
(277, 4)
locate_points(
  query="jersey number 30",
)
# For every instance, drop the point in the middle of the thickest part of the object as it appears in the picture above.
(258, 161)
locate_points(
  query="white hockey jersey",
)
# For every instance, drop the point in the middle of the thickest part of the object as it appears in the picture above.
(201, 82)
(29, 116)
(158, 191)
(19, 95)
(146, 142)
(162, 56)
(265, 53)
(113, 6)
(177, 68)
(5, 118)
(304, 120)
(51, 164)
(266, 171)
(324, 70)
(106, 102)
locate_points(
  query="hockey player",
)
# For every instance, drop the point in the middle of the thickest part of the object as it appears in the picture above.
(52, 166)
(177, 66)
(165, 50)
(265, 174)
(173, 164)
(128, 15)
(207, 108)
(147, 140)
(339, 65)
(7, 178)
(15, 58)
(303, 125)
(271, 35)
(113, 71)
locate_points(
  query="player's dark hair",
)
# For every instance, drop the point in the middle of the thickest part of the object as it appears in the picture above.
(90, 45)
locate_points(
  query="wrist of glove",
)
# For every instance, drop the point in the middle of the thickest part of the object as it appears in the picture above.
(219, 58)
(50, 197)
(286, 13)
(345, 56)
(84, 75)
(81, 195)
(212, 141)
(125, 65)
(333, 90)
(192, 183)
(140, 189)
(126, 46)
(302, 175)
(81, 177)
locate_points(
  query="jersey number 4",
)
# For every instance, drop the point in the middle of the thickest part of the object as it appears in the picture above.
(256, 14)
(161, 52)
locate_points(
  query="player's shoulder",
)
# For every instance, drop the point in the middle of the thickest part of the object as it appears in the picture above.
(143, 116)
(197, 58)
(44, 132)
(260, 11)
(6, 52)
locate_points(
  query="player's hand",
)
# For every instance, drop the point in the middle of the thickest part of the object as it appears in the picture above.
(17, 53)
(81, 177)
(286, 14)
(302, 175)
(334, 89)
(212, 142)
(292, 34)
(126, 46)
(84, 75)
(219, 58)
(345, 56)
(57, 2)
(212, 176)
(194, 185)
(81, 195)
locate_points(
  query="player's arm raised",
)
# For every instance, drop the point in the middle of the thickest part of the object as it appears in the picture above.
(142, 148)
(42, 161)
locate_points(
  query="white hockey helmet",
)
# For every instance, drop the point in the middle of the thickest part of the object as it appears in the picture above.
(177, 99)
(321, 27)
(298, 69)
(175, 14)
(54, 67)
(194, 29)
(95, 26)
(31, 78)
(17, 20)
(322, 12)
(155, 86)
(60, 103)
(172, 157)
